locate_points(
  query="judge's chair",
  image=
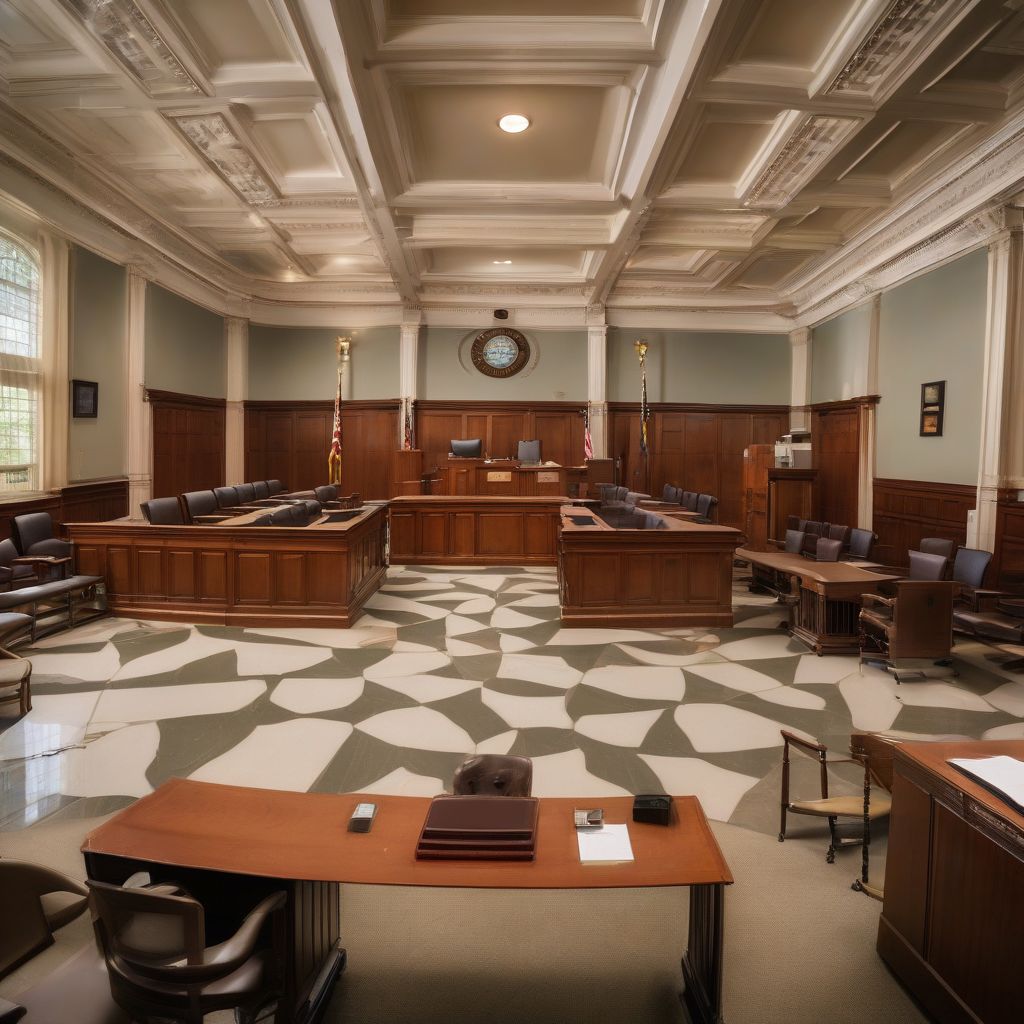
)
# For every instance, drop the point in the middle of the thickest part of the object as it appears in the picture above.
(528, 451)
(494, 775)
(153, 940)
(916, 622)
(849, 817)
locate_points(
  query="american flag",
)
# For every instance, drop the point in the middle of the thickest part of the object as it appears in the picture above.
(641, 352)
(334, 456)
(408, 441)
(588, 441)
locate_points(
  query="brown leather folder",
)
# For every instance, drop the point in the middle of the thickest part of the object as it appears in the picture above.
(479, 827)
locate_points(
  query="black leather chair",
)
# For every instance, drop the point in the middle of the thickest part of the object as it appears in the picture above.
(227, 497)
(13, 574)
(828, 549)
(494, 775)
(246, 492)
(528, 451)
(326, 493)
(199, 503)
(862, 543)
(276, 487)
(839, 533)
(937, 546)
(690, 500)
(926, 566)
(153, 940)
(794, 542)
(262, 489)
(163, 512)
(32, 534)
(668, 493)
(969, 567)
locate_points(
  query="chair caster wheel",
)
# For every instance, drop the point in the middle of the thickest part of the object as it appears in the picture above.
(856, 886)
(782, 838)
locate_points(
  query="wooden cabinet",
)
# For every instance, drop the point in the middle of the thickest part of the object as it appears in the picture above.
(771, 495)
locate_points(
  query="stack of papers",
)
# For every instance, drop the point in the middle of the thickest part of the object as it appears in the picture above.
(1002, 775)
(607, 845)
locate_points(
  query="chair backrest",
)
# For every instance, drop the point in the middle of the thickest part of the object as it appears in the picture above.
(810, 545)
(879, 749)
(8, 552)
(706, 506)
(794, 541)
(811, 526)
(227, 497)
(146, 928)
(262, 489)
(31, 528)
(922, 619)
(816, 751)
(605, 492)
(246, 492)
(937, 546)
(494, 775)
(861, 542)
(471, 448)
(162, 511)
(276, 487)
(667, 493)
(793, 523)
(285, 516)
(690, 500)
(634, 498)
(828, 549)
(969, 566)
(528, 451)
(325, 493)
(925, 566)
(839, 533)
(199, 503)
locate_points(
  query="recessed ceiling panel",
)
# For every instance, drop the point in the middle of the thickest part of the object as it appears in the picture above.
(455, 133)
(515, 8)
(903, 148)
(770, 270)
(722, 151)
(491, 262)
(793, 33)
(234, 31)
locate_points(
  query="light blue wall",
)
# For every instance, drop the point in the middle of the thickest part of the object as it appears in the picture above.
(98, 336)
(184, 346)
(296, 363)
(557, 371)
(714, 368)
(839, 356)
(933, 328)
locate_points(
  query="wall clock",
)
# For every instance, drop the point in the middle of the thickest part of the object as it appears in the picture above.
(500, 352)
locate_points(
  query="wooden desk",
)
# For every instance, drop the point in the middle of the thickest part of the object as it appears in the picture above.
(231, 845)
(677, 576)
(508, 478)
(951, 926)
(231, 574)
(830, 592)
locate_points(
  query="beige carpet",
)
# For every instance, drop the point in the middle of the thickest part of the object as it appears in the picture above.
(799, 944)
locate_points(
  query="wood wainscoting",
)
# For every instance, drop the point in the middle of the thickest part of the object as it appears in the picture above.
(907, 510)
(837, 431)
(1008, 562)
(290, 441)
(188, 442)
(696, 447)
(501, 426)
(93, 502)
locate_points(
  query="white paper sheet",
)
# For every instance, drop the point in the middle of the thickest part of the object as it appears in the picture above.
(1003, 774)
(608, 845)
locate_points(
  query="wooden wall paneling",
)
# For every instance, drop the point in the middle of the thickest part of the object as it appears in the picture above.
(368, 443)
(907, 510)
(93, 502)
(734, 437)
(700, 457)
(188, 442)
(768, 428)
(312, 441)
(835, 440)
(669, 449)
(560, 435)
(434, 432)
(1008, 563)
(506, 431)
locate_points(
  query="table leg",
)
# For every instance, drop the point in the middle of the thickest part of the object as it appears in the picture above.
(702, 961)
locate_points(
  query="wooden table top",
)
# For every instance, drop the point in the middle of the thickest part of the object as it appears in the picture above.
(275, 834)
(823, 572)
(510, 500)
(672, 522)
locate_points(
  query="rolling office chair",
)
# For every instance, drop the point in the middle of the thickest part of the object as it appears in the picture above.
(163, 512)
(154, 943)
(969, 568)
(494, 775)
(472, 448)
(529, 451)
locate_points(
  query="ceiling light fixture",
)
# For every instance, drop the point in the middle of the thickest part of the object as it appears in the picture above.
(514, 123)
(500, 261)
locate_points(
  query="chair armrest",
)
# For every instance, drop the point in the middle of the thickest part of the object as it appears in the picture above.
(886, 602)
(240, 946)
(42, 559)
(981, 598)
(40, 880)
(11, 1012)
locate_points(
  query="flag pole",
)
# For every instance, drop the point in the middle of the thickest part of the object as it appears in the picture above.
(641, 346)
(341, 347)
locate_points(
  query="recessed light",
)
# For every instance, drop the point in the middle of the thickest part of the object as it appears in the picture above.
(501, 261)
(514, 123)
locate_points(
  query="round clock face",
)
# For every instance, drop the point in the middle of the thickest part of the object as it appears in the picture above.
(500, 352)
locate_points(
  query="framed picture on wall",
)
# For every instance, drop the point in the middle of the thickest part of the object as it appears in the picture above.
(84, 399)
(933, 401)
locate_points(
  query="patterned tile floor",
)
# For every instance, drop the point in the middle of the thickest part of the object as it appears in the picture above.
(446, 662)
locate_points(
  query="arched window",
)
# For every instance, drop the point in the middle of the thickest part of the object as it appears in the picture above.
(21, 369)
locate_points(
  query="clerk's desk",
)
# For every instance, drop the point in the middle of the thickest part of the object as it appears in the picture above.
(506, 477)
(231, 845)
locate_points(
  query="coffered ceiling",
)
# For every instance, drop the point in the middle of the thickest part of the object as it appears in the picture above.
(711, 154)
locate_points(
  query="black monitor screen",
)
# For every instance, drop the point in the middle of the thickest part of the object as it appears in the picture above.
(471, 449)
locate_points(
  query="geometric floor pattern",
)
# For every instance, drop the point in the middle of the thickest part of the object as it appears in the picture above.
(445, 662)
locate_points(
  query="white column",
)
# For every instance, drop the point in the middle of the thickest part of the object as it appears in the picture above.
(1001, 455)
(866, 462)
(53, 448)
(139, 419)
(597, 387)
(408, 368)
(800, 379)
(236, 344)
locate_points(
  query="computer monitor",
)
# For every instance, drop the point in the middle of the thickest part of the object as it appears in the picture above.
(471, 449)
(529, 451)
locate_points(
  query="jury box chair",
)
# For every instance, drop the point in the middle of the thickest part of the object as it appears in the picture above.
(849, 817)
(162, 512)
(494, 775)
(153, 940)
(33, 536)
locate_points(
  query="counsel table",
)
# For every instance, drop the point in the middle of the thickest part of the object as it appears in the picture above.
(231, 845)
(830, 593)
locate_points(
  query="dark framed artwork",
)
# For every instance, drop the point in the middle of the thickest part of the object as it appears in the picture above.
(84, 399)
(933, 403)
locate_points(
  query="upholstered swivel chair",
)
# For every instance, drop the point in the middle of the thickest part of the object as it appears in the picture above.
(33, 909)
(163, 511)
(528, 451)
(14, 574)
(246, 492)
(494, 775)
(707, 506)
(828, 549)
(839, 533)
(276, 487)
(154, 943)
(794, 541)
(857, 811)
(326, 493)
(969, 567)
(667, 493)
(227, 497)
(937, 546)
(32, 534)
(690, 500)
(862, 543)
(199, 503)
(926, 566)
(262, 489)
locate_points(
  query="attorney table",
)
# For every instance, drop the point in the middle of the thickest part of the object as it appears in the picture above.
(231, 845)
(951, 926)
(829, 600)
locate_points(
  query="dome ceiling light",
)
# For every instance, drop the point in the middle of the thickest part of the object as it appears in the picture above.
(514, 123)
